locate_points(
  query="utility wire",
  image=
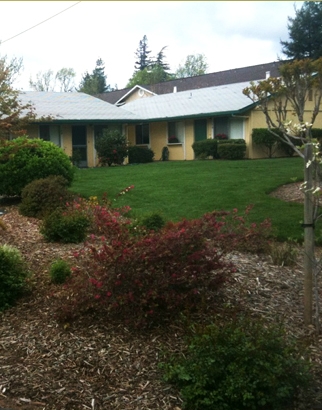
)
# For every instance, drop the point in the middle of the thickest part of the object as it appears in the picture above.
(40, 23)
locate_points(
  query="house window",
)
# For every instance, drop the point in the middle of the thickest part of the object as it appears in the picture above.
(99, 129)
(50, 133)
(142, 136)
(175, 132)
(232, 127)
(44, 132)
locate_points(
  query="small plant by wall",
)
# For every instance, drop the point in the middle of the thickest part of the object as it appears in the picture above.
(232, 149)
(205, 148)
(140, 155)
(111, 148)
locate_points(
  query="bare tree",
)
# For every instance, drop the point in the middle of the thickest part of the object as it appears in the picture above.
(46, 81)
(282, 98)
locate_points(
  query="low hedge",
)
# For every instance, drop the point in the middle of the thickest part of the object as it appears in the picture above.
(232, 149)
(205, 148)
(140, 155)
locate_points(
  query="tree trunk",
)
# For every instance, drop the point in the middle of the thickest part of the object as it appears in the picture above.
(309, 257)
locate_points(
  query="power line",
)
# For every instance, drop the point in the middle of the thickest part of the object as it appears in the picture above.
(40, 22)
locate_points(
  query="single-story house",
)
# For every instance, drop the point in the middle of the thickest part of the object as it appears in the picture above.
(174, 120)
(75, 120)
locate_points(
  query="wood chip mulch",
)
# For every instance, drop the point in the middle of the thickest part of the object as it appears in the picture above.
(93, 364)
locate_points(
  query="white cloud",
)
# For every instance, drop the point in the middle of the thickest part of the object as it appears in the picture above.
(230, 33)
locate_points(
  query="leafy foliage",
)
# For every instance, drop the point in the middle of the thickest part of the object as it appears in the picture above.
(146, 280)
(271, 142)
(140, 155)
(239, 364)
(13, 276)
(305, 32)
(194, 65)
(23, 160)
(153, 222)
(69, 226)
(14, 116)
(205, 148)
(43, 196)
(142, 277)
(231, 149)
(46, 81)
(95, 83)
(148, 76)
(111, 147)
(59, 271)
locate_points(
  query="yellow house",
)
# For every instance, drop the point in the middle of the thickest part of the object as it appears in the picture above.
(174, 120)
(73, 121)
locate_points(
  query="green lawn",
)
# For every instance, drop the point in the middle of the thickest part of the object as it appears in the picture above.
(188, 189)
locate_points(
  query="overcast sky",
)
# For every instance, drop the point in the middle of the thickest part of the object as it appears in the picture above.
(231, 34)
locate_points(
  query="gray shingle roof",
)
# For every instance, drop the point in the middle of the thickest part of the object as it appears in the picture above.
(236, 75)
(74, 107)
(224, 99)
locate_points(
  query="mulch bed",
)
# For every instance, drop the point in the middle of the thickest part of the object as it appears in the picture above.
(93, 364)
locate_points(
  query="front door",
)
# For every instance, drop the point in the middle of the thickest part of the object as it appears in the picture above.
(79, 141)
(200, 130)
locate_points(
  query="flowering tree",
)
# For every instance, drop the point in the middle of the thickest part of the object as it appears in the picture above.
(297, 92)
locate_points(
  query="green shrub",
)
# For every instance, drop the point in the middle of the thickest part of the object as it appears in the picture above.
(266, 140)
(231, 150)
(270, 143)
(140, 155)
(153, 221)
(13, 275)
(65, 227)
(23, 160)
(239, 365)
(205, 148)
(59, 271)
(111, 148)
(43, 196)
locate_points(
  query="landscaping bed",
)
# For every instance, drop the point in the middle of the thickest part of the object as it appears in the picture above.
(94, 364)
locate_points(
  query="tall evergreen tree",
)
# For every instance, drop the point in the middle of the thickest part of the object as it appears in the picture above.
(95, 83)
(305, 32)
(142, 55)
(159, 60)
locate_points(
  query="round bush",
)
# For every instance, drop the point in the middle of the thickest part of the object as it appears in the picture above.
(111, 147)
(23, 160)
(69, 227)
(59, 271)
(140, 155)
(240, 365)
(153, 221)
(43, 196)
(13, 275)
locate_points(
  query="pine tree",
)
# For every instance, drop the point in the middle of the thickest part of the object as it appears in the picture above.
(305, 32)
(159, 60)
(142, 55)
(95, 83)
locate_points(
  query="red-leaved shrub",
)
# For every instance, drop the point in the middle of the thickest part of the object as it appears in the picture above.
(145, 279)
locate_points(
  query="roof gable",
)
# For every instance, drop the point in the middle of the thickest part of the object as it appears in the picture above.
(221, 100)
